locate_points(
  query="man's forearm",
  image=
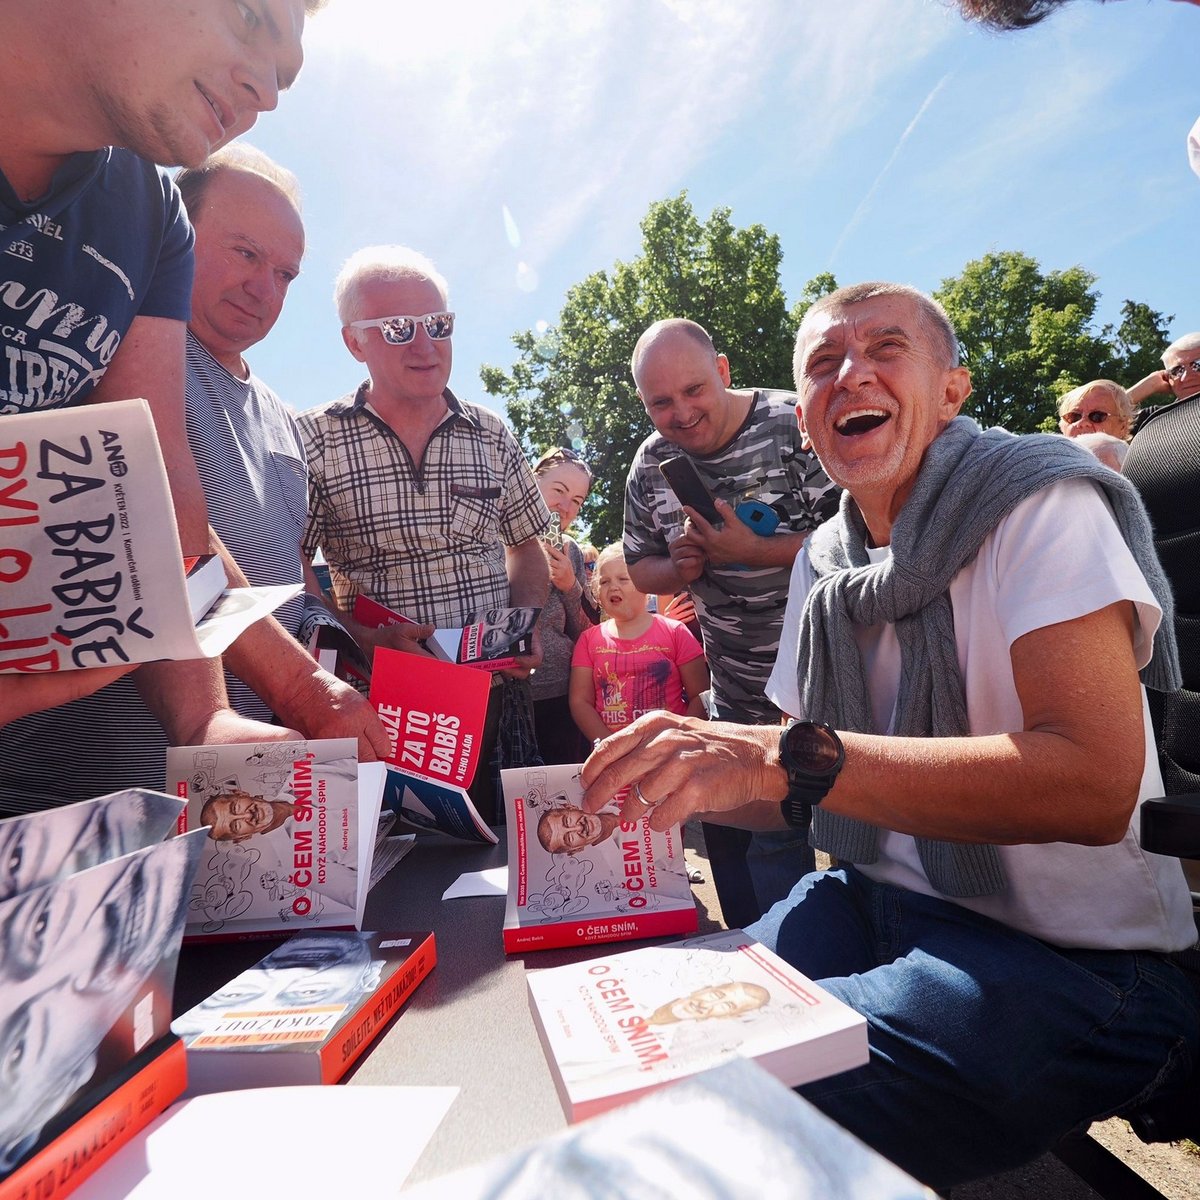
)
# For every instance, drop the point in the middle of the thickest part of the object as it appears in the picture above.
(528, 575)
(183, 696)
(656, 575)
(1154, 384)
(266, 658)
(778, 550)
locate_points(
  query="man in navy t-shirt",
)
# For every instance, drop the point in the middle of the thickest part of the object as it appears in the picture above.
(95, 256)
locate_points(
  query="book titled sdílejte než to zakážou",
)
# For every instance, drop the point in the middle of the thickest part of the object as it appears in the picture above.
(305, 1012)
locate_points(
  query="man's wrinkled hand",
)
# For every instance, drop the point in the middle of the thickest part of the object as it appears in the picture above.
(325, 707)
(732, 542)
(683, 765)
(406, 638)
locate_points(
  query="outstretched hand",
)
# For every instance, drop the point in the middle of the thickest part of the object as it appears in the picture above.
(683, 766)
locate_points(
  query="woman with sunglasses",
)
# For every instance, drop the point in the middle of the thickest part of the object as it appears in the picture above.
(1100, 406)
(564, 480)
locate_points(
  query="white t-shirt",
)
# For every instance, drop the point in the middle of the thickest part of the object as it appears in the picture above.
(1058, 556)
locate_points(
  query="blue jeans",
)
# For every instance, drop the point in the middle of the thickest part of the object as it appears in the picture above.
(987, 1045)
(753, 870)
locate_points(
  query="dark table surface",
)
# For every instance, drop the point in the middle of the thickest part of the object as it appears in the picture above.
(467, 1025)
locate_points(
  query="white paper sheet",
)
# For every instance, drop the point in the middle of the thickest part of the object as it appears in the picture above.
(302, 1141)
(492, 882)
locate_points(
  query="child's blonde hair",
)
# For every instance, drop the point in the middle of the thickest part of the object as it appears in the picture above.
(616, 550)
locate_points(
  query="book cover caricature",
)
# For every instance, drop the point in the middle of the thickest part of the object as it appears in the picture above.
(617, 1026)
(576, 877)
(291, 833)
(86, 982)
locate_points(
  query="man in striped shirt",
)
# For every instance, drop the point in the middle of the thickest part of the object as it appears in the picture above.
(249, 244)
(419, 500)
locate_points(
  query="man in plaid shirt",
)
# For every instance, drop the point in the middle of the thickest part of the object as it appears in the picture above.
(419, 500)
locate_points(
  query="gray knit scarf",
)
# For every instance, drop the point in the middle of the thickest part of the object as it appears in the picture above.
(968, 482)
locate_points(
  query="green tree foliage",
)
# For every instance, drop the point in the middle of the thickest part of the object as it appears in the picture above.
(572, 384)
(1029, 336)
(814, 289)
(1140, 340)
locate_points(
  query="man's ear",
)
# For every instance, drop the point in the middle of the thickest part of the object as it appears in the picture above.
(957, 389)
(723, 369)
(805, 440)
(350, 337)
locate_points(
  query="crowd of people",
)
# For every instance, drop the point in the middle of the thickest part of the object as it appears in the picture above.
(940, 654)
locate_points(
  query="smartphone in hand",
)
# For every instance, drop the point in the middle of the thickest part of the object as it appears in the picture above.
(684, 480)
(554, 534)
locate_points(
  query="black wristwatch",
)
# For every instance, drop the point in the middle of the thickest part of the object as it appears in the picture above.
(812, 755)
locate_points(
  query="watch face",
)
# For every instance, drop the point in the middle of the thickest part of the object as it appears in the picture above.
(814, 746)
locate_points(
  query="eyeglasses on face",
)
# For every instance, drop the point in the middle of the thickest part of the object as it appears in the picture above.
(1179, 370)
(399, 331)
(1097, 417)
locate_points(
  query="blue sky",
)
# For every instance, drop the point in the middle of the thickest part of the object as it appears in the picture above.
(519, 145)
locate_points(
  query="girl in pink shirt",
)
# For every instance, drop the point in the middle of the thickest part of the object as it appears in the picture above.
(634, 661)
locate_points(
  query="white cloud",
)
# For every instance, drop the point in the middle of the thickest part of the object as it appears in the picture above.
(605, 105)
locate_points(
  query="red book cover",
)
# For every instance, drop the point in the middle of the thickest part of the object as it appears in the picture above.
(305, 1012)
(577, 878)
(375, 615)
(99, 1133)
(434, 715)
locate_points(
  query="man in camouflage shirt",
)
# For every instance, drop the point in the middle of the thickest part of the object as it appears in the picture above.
(770, 492)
